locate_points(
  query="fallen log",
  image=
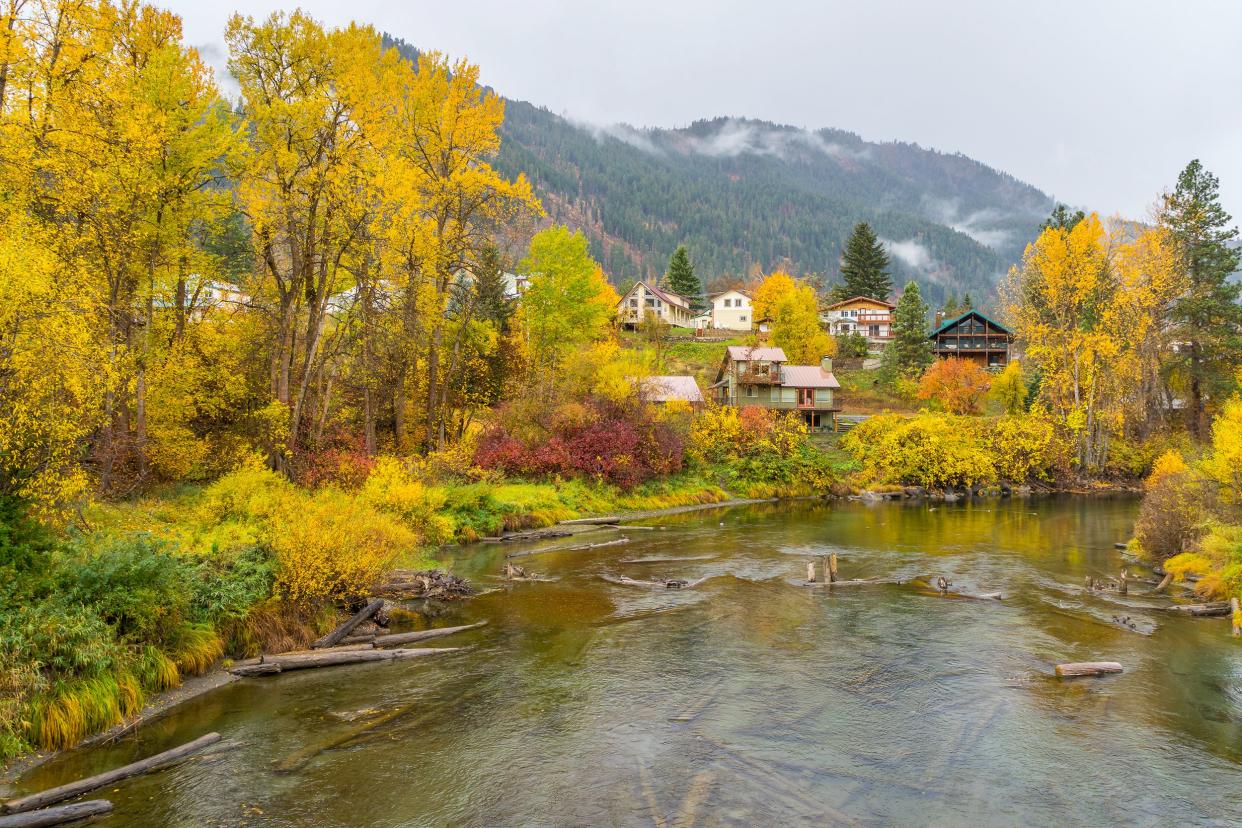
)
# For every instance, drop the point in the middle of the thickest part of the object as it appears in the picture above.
(299, 758)
(333, 638)
(1212, 608)
(852, 582)
(1163, 585)
(667, 560)
(394, 639)
(265, 668)
(577, 548)
(432, 583)
(665, 583)
(151, 763)
(625, 527)
(1087, 668)
(57, 815)
(593, 521)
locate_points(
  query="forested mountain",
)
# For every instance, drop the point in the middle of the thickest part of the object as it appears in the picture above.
(747, 196)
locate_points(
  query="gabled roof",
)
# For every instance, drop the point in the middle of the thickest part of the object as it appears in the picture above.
(742, 291)
(862, 299)
(666, 295)
(676, 387)
(807, 376)
(949, 323)
(755, 354)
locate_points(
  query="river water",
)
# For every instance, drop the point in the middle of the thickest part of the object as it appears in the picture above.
(749, 699)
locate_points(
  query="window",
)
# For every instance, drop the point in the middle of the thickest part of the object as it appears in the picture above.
(741, 318)
(806, 396)
(752, 391)
(789, 395)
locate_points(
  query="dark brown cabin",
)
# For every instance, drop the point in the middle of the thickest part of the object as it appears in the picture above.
(973, 336)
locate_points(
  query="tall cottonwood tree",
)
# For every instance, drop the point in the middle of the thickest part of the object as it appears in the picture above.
(1207, 316)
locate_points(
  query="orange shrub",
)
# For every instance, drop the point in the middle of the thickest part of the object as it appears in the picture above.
(957, 384)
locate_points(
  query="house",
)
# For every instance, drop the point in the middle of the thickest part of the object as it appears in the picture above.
(754, 375)
(731, 311)
(873, 318)
(672, 308)
(972, 336)
(663, 389)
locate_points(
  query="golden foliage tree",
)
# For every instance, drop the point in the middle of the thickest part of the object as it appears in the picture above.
(794, 310)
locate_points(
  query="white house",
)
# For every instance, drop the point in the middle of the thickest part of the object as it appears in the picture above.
(669, 306)
(873, 318)
(731, 311)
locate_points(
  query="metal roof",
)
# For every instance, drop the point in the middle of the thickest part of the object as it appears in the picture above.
(666, 388)
(756, 353)
(860, 298)
(951, 322)
(807, 376)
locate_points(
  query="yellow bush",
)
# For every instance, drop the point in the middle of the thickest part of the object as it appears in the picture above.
(391, 488)
(1187, 563)
(1224, 464)
(1023, 447)
(934, 450)
(715, 434)
(1169, 463)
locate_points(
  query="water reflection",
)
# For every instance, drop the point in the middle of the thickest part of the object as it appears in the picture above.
(749, 700)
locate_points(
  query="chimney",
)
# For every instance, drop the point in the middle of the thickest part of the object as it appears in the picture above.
(939, 319)
(825, 365)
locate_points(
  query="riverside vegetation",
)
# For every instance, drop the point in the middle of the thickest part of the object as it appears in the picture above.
(257, 355)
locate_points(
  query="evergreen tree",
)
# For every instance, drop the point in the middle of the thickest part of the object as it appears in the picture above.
(950, 307)
(966, 305)
(864, 266)
(1062, 219)
(681, 278)
(489, 280)
(910, 351)
(1207, 318)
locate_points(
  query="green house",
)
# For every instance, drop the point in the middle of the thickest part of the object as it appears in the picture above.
(760, 376)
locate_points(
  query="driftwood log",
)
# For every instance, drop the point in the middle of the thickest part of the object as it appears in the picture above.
(578, 548)
(333, 638)
(1213, 608)
(286, 662)
(90, 783)
(57, 815)
(1087, 668)
(667, 559)
(1164, 584)
(593, 521)
(394, 639)
(431, 583)
(299, 758)
(665, 583)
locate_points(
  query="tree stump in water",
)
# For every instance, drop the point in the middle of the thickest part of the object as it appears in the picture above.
(832, 568)
(810, 572)
(1087, 668)
(1237, 616)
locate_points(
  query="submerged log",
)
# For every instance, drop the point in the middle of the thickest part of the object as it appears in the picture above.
(667, 559)
(393, 639)
(333, 638)
(663, 583)
(151, 763)
(578, 548)
(299, 758)
(284, 662)
(1212, 608)
(57, 815)
(1087, 668)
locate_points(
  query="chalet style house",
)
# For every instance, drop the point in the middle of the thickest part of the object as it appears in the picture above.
(873, 318)
(759, 376)
(672, 308)
(972, 336)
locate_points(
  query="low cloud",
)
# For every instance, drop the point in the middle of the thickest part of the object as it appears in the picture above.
(731, 139)
(736, 138)
(910, 252)
(626, 134)
(979, 225)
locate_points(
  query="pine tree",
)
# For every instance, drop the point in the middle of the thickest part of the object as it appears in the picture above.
(493, 305)
(950, 307)
(1207, 317)
(864, 266)
(1062, 219)
(681, 278)
(966, 305)
(910, 351)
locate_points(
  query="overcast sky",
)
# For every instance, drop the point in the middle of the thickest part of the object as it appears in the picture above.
(1097, 103)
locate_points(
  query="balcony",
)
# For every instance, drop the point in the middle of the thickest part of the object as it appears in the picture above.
(760, 376)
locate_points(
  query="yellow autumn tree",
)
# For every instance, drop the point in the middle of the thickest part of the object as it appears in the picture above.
(1085, 304)
(793, 309)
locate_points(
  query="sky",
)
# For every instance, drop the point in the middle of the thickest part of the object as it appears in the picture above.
(1098, 103)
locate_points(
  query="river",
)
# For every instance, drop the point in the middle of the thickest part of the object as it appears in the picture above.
(749, 699)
